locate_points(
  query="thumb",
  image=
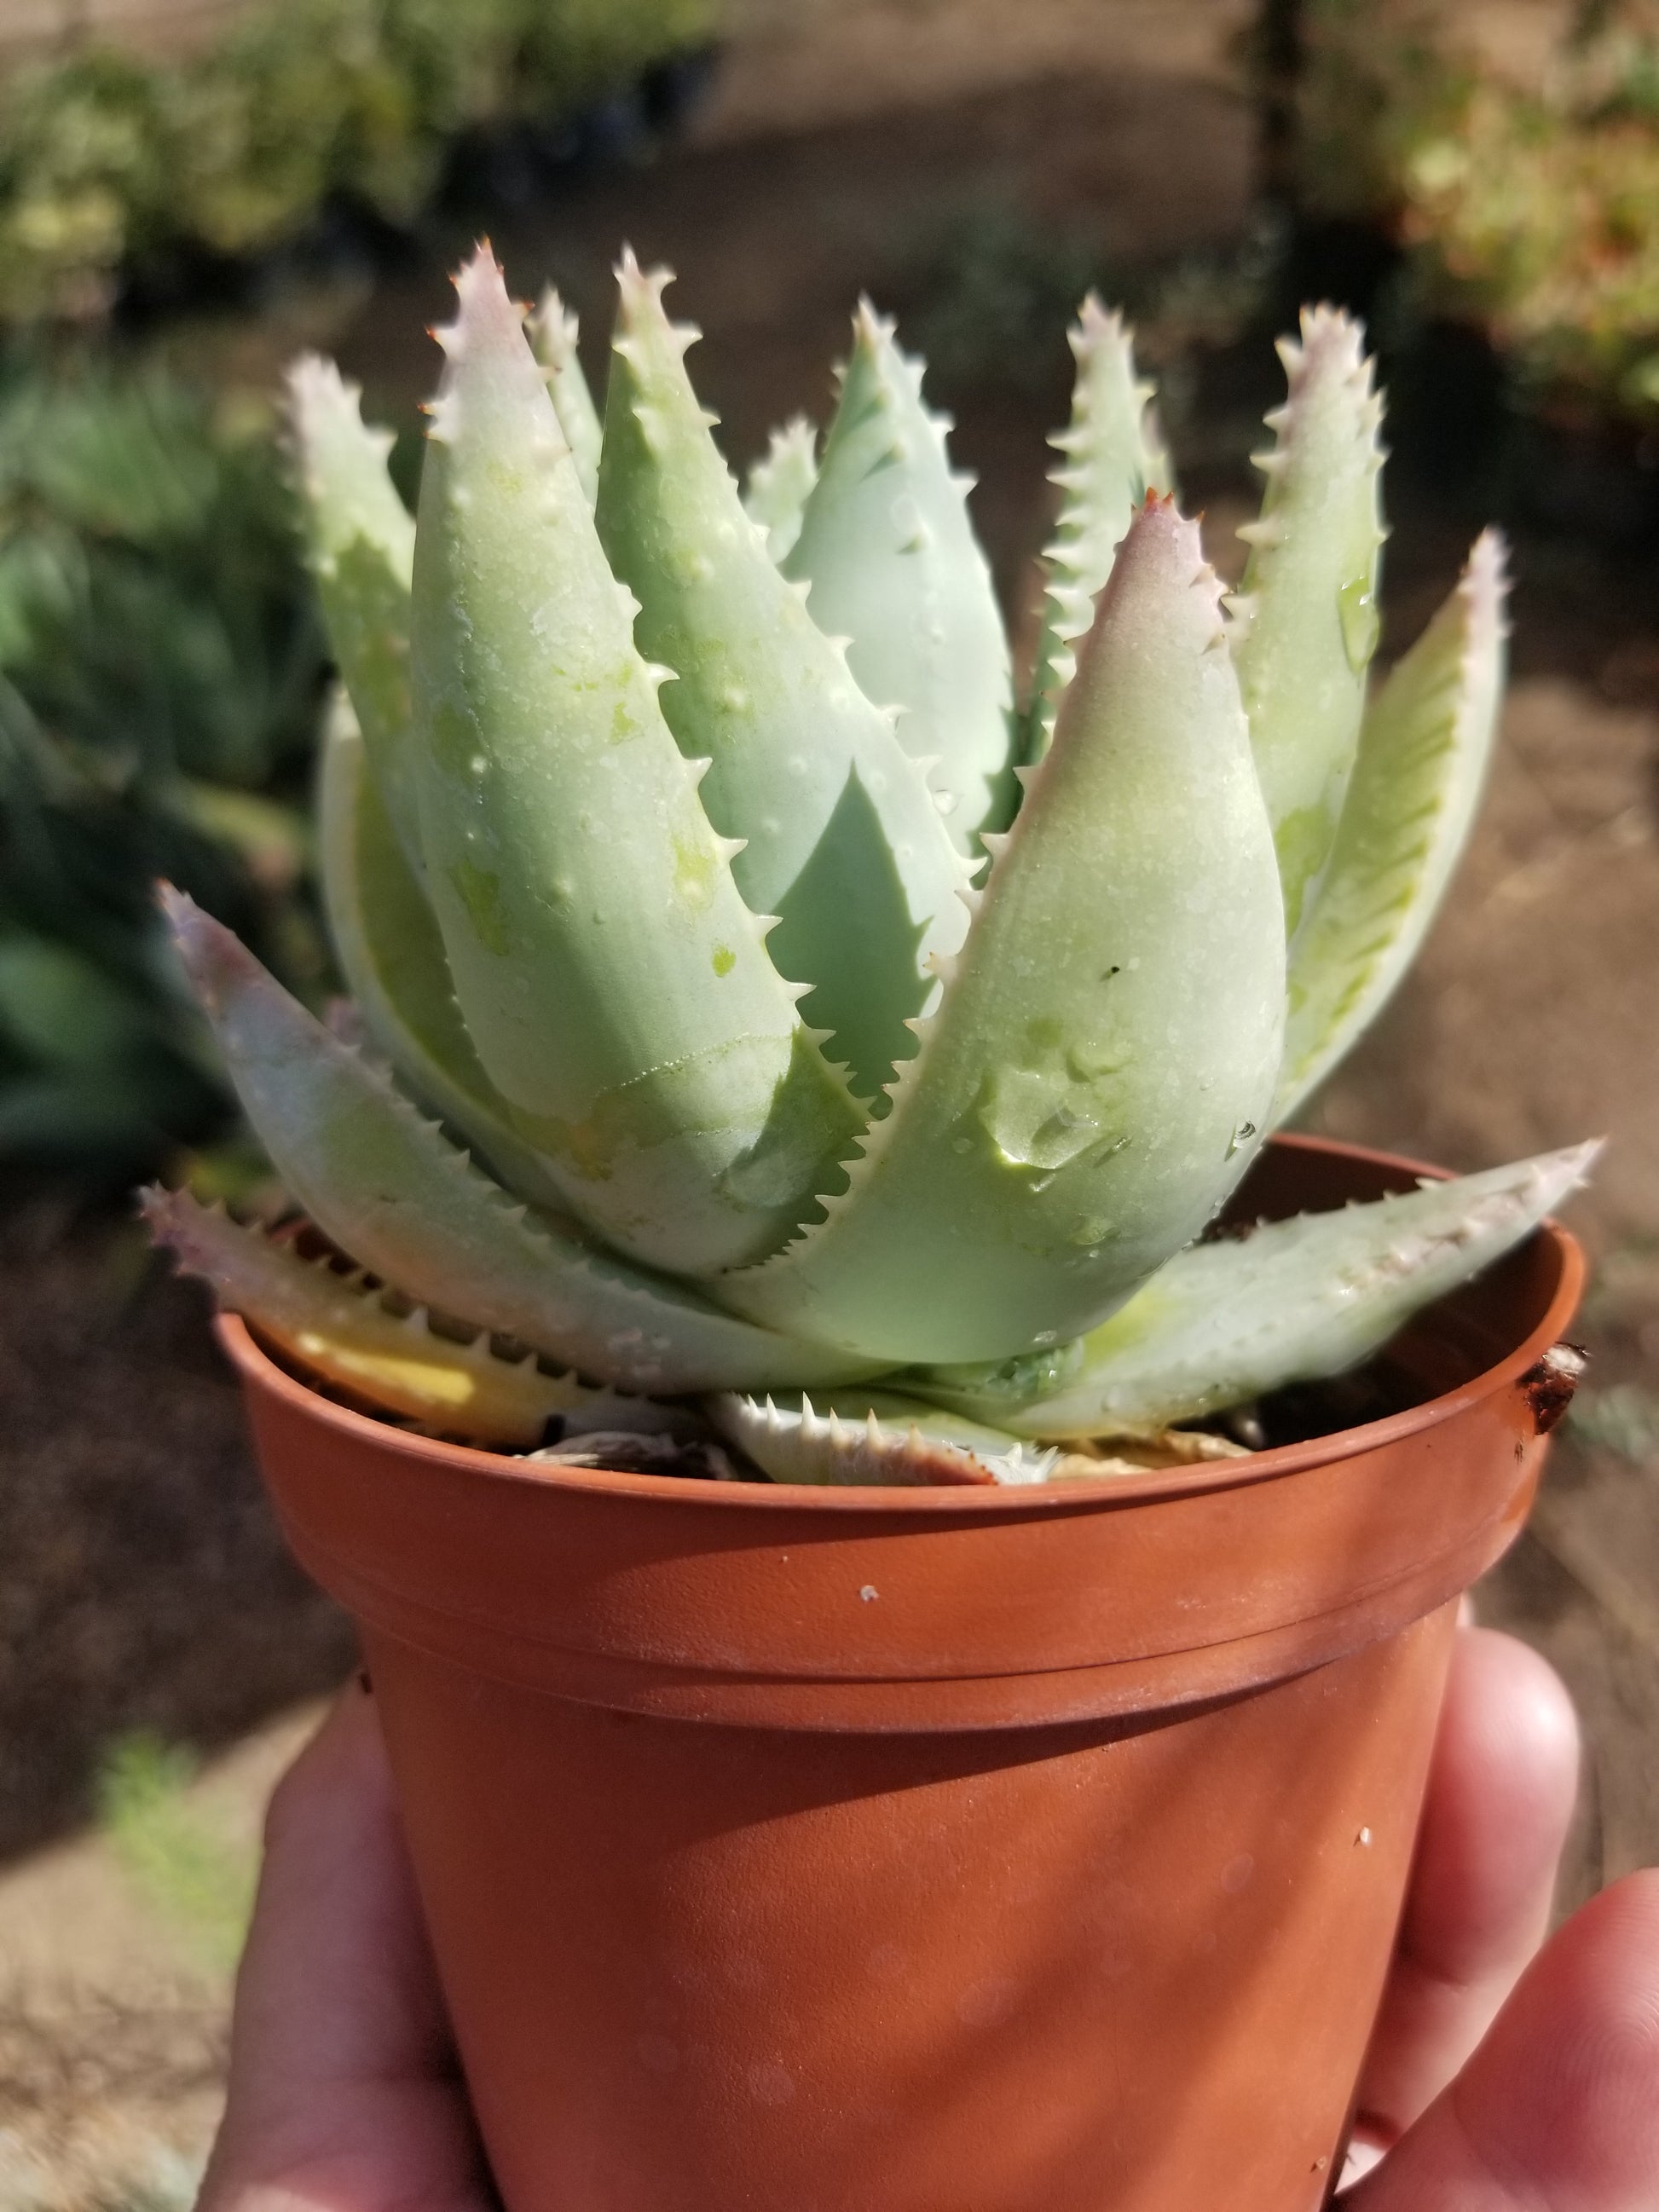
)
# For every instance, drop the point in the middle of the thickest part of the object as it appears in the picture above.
(342, 2096)
(1559, 2109)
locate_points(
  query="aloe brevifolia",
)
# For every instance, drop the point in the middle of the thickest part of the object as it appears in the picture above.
(724, 1031)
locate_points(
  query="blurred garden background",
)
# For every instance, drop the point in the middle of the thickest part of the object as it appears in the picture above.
(191, 190)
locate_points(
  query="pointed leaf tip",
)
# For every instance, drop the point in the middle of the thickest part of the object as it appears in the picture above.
(213, 958)
(779, 484)
(554, 330)
(557, 329)
(871, 330)
(1098, 323)
(805, 769)
(314, 384)
(641, 289)
(887, 545)
(1115, 461)
(335, 1328)
(663, 1076)
(489, 318)
(1312, 579)
(387, 1187)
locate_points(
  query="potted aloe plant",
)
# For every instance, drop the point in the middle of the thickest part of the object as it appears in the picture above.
(871, 1733)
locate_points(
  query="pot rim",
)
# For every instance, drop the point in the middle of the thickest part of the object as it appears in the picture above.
(255, 1364)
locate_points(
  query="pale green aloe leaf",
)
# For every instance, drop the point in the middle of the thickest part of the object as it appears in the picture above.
(360, 540)
(887, 550)
(340, 1329)
(1423, 752)
(392, 958)
(554, 329)
(843, 841)
(1292, 1301)
(779, 484)
(616, 987)
(1107, 1044)
(384, 1184)
(872, 1439)
(1112, 455)
(1307, 613)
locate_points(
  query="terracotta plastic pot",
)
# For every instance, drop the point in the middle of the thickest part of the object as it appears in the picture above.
(805, 1850)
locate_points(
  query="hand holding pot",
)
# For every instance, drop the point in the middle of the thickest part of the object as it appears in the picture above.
(343, 2091)
(1501, 2081)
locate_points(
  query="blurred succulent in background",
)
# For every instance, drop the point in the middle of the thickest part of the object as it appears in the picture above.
(160, 674)
(979, 283)
(183, 1865)
(1530, 209)
(111, 162)
(651, 862)
(985, 279)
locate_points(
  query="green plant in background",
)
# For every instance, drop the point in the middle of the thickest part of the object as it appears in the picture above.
(981, 284)
(172, 2184)
(986, 279)
(1531, 211)
(82, 181)
(1365, 85)
(1622, 1419)
(200, 1883)
(652, 863)
(160, 674)
(108, 161)
(156, 2179)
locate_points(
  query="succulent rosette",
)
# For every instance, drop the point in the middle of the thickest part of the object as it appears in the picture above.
(760, 1015)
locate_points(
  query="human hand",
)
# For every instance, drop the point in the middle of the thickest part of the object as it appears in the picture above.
(1501, 2082)
(344, 2095)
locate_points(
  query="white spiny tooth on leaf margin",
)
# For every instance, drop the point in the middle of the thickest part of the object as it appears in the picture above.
(805, 769)
(361, 542)
(1228, 1321)
(871, 1438)
(779, 485)
(1313, 574)
(886, 541)
(1115, 457)
(1425, 748)
(342, 1331)
(515, 606)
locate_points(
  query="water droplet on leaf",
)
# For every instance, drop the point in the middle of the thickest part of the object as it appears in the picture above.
(1362, 625)
(1092, 1231)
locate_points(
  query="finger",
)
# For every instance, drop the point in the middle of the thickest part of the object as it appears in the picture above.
(341, 2074)
(1501, 1790)
(337, 1981)
(1559, 2110)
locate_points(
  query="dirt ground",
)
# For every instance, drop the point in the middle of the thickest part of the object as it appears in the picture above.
(142, 1584)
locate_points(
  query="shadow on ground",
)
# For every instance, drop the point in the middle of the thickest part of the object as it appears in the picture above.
(142, 1582)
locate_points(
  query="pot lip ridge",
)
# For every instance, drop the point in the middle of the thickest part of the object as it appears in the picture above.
(256, 1368)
